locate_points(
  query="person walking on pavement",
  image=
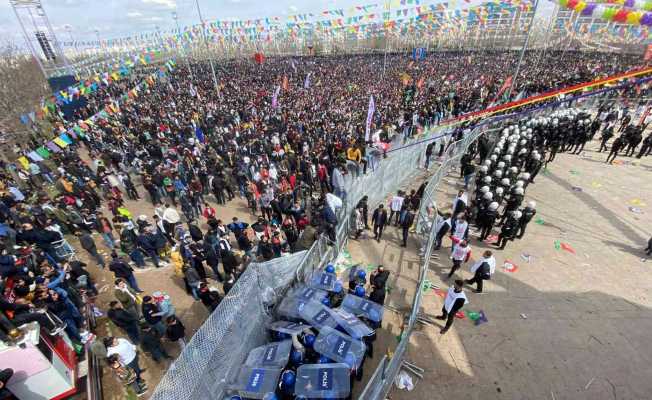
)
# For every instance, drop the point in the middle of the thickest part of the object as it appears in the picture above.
(454, 301)
(406, 224)
(508, 231)
(482, 270)
(395, 207)
(461, 254)
(379, 220)
(527, 214)
(616, 146)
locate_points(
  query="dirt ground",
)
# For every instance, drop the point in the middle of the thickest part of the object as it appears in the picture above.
(568, 324)
(192, 313)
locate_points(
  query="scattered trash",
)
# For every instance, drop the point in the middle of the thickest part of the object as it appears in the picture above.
(617, 162)
(403, 381)
(524, 316)
(589, 384)
(491, 239)
(573, 172)
(427, 285)
(577, 189)
(637, 202)
(473, 316)
(564, 246)
(539, 221)
(643, 259)
(509, 266)
(526, 257)
(482, 319)
(635, 210)
(460, 315)
(596, 185)
(439, 292)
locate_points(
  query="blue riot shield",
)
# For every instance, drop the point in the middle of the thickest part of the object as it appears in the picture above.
(352, 324)
(323, 381)
(291, 328)
(340, 347)
(256, 382)
(323, 280)
(318, 315)
(270, 355)
(363, 307)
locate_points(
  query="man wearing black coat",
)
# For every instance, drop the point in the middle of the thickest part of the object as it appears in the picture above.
(124, 320)
(379, 277)
(379, 220)
(406, 224)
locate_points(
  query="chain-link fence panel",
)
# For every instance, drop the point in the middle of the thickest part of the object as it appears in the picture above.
(222, 343)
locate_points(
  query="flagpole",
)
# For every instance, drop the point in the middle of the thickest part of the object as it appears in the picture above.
(388, 6)
(183, 51)
(203, 31)
(520, 60)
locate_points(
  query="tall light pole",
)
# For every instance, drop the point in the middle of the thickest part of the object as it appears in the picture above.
(183, 51)
(520, 59)
(203, 32)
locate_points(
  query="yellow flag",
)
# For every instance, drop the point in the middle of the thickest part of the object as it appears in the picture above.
(60, 142)
(24, 162)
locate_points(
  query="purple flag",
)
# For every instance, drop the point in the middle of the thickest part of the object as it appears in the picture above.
(370, 116)
(306, 83)
(275, 97)
(52, 146)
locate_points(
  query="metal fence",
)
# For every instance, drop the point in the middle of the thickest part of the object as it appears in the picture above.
(221, 345)
(209, 361)
(380, 383)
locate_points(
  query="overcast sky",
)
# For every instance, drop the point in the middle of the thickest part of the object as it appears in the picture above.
(119, 18)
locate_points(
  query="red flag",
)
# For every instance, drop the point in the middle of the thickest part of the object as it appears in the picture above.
(506, 84)
(568, 248)
(286, 84)
(648, 53)
(420, 83)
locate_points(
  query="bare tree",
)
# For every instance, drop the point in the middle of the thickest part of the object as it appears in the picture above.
(22, 87)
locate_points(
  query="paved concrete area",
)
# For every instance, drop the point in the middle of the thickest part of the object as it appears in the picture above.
(565, 325)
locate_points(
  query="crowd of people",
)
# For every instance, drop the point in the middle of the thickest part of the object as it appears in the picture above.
(183, 145)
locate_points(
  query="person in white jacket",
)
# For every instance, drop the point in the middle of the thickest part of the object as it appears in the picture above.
(454, 301)
(482, 270)
(461, 254)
